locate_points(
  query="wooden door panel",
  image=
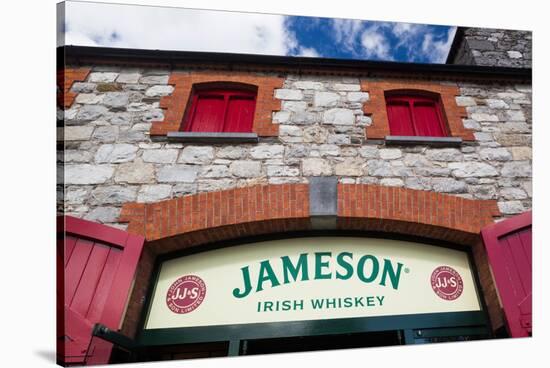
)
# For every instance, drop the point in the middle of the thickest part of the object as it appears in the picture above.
(95, 272)
(509, 249)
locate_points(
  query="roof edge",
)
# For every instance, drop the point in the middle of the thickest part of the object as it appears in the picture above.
(77, 54)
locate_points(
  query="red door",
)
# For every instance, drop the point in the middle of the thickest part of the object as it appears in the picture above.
(96, 266)
(508, 245)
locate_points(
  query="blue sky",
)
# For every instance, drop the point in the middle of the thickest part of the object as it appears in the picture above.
(131, 26)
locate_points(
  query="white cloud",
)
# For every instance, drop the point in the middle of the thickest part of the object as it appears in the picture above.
(346, 32)
(437, 51)
(144, 27)
(308, 51)
(375, 44)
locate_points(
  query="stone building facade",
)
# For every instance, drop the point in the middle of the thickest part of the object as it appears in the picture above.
(320, 154)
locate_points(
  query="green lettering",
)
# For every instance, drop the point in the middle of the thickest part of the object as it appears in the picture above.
(293, 270)
(361, 268)
(320, 265)
(266, 274)
(247, 284)
(345, 265)
(394, 275)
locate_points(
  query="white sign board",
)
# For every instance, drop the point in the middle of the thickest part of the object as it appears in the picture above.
(310, 279)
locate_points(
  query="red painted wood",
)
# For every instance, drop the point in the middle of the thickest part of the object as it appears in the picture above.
(221, 110)
(508, 245)
(399, 117)
(240, 114)
(97, 280)
(415, 115)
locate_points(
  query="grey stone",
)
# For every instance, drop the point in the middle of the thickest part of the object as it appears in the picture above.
(521, 153)
(83, 87)
(415, 160)
(136, 172)
(116, 99)
(448, 185)
(389, 153)
(177, 174)
(308, 85)
(281, 117)
(346, 87)
(339, 139)
(215, 185)
(483, 137)
(513, 193)
(515, 128)
(514, 54)
(293, 151)
(339, 116)
(267, 151)
(304, 118)
(102, 77)
(495, 154)
(88, 98)
(471, 124)
(315, 134)
(472, 169)
(114, 194)
(294, 106)
(465, 101)
(349, 167)
(484, 117)
(325, 99)
(154, 79)
(75, 195)
(196, 155)
(128, 78)
(379, 168)
(77, 156)
(160, 156)
(510, 207)
(327, 149)
(392, 182)
(142, 127)
(231, 152)
(121, 118)
(215, 171)
(106, 133)
(246, 169)
(290, 130)
(496, 104)
(316, 167)
(418, 183)
(88, 174)
(289, 94)
(484, 191)
(77, 133)
(517, 169)
(184, 189)
(515, 115)
(103, 214)
(115, 153)
(154, 193)
(358, 96)
(282, 171)
(368, 152)
(157, 91)
(91, 112)
(513, 139)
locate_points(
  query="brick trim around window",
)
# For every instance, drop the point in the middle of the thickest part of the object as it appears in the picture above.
(376, 106)
(65, 79)
(176, 104)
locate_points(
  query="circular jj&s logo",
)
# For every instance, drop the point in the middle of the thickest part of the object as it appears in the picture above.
(186, 294)
(447, 283)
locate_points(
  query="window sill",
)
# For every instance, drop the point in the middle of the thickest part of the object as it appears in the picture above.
(430, 141)
(204, 137)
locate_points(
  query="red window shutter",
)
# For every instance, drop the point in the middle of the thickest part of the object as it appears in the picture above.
(96, 266)
(427, 120)
(414, 116)
(399, 116)
(208, 114)
(240, 114)
(508, 245)
(219, 110)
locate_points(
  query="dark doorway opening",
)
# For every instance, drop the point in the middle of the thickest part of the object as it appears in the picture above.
(324, 342)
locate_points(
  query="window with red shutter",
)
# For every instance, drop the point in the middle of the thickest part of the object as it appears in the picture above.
(415, 115)
(221, 110)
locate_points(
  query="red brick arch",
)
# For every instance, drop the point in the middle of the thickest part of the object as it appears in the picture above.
(200, 219)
